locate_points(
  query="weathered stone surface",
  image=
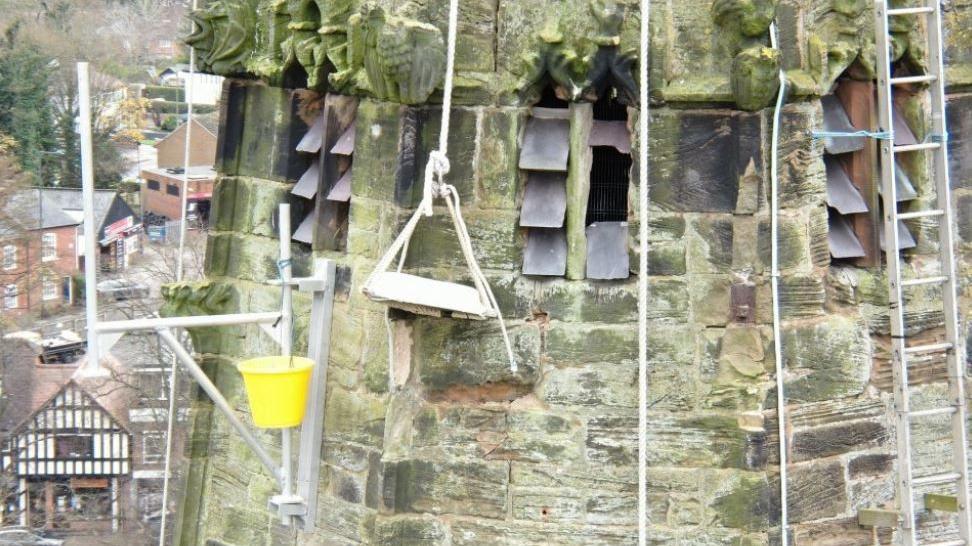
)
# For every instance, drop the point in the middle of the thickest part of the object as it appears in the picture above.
(873, 464)
(474, 532)
(817, 443)
(710, 244)
(411, 531)
(690, 151)
(443, 348)
(497, 156)
(817, 491)
(466, 488)
(826, 359)
(750, 503)
(608, 385)
(703, 440)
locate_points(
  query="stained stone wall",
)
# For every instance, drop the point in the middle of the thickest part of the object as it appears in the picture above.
(448, 446)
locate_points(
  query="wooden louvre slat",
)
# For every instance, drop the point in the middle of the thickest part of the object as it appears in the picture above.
(312, 140)
(345, 144)
(841, 192)
(306, 187)
(836, 120)
(905, 239)
(903, 135)
(544, 200)
(607, 251)
(545, 145)
(342, 188)
(546, 252)
(611, 133)
(843, 242)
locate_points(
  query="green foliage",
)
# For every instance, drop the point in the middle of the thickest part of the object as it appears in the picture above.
(167, 107)
(25, 112)
(169, 123)
(167, 93)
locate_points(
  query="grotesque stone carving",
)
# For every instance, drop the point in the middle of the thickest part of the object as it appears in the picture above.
(584, 67)
(754, 78)
(393, 57)
(223, 35)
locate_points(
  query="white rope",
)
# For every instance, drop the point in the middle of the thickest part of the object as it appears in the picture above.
(775, 281)
(180, 272)
(643, 201)
(435, 186)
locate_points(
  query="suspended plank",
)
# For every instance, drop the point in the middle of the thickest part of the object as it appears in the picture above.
(311, 143)
(836, 120)
(903, 135)
(611, 133)
(607, 251)
(905, 239)
(545, 145)
(345, 144)
(546, 252)
(545, 200)
(306, 187)
(305, 231)
(342, 188)
(841, 192)
(843, 241)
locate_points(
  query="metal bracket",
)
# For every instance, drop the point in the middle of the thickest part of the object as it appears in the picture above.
(287, 507)
(318, 350)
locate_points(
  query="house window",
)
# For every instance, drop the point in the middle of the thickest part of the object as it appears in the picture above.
(153, 185)
(172, 189)
(74, 446)
(153, 447)
(50, 289)
(11, 299)
(9, 257)
(49, 247)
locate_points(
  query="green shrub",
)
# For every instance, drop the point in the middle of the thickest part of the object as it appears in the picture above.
(172, 94)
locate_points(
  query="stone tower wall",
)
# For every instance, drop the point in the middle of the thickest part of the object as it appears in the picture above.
(448, 446)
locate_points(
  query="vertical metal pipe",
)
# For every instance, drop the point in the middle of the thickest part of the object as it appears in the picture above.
(286, 337)
(643, 203)
(93, 365)
(775, 282)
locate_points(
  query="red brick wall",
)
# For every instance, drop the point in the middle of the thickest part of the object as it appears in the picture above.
(160, 202)
(31, 269)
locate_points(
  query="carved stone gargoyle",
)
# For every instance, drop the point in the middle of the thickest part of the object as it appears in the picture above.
(223, 35)
(392, 57)
(582, 69)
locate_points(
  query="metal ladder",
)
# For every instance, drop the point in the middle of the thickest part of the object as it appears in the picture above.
(901, 350)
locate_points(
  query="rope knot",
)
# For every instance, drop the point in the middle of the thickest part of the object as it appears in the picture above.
(439, 163)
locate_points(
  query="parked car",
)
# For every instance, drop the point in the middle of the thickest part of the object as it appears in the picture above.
(121, 289)
(19, 536)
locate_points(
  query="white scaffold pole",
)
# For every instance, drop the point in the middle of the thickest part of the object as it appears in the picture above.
(92, 366)
(286, 339)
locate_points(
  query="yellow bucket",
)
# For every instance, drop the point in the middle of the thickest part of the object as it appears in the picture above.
(277, 389)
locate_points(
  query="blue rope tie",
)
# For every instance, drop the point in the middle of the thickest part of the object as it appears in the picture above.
(879, 135)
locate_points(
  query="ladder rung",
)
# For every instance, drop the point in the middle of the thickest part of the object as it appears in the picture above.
(913, 79)
(920, 214)
(927, 280)
(934, 347)
(947, 410)
(911, 11)
(917, 147)
(947, 477)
